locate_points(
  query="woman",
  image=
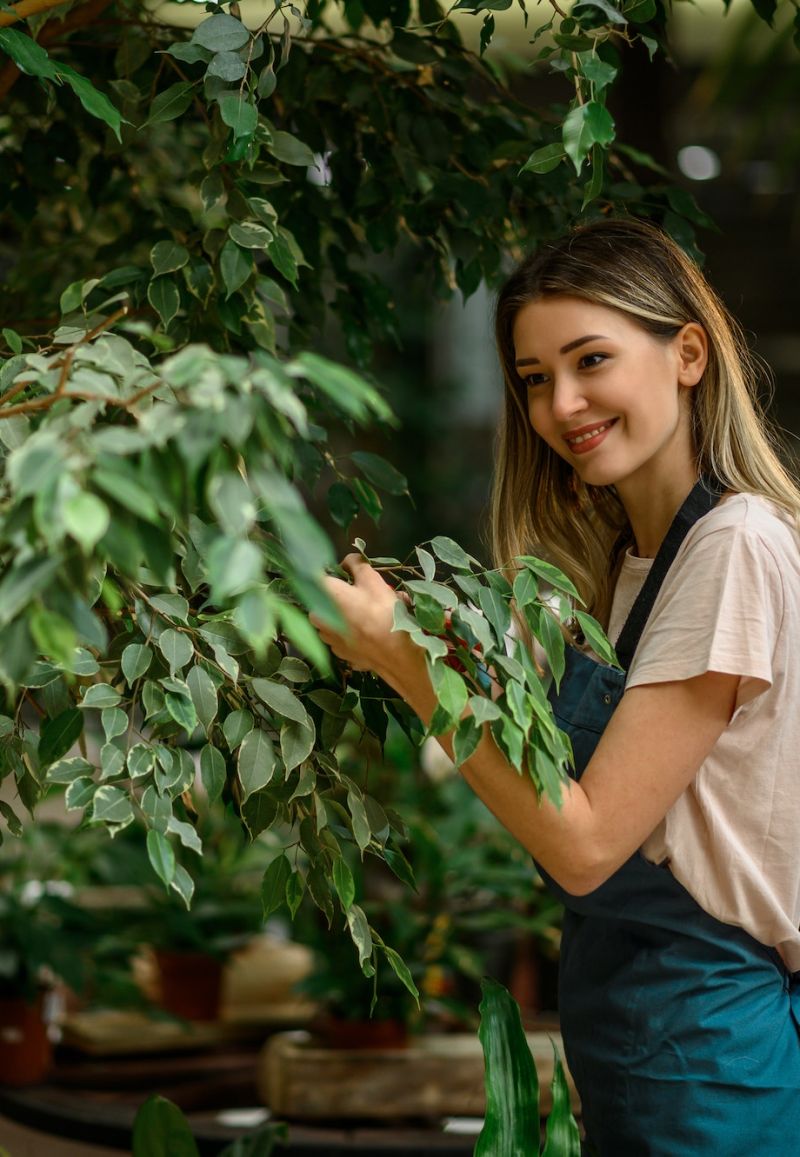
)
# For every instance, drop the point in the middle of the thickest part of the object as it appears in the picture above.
(632, 455)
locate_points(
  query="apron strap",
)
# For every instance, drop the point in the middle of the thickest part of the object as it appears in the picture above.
(703, 497)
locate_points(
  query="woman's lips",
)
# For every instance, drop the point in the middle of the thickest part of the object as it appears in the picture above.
(585, 438)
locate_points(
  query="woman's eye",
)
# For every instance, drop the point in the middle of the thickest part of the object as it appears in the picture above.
(533, 380)
(588, 361)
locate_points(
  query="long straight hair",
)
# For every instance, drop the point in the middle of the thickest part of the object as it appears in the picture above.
(539, 504)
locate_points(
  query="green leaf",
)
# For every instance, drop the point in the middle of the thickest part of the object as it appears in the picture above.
(345, 388)
(484, 709)
(295, 887)
(360, 933)
(171, 103)
(96, 103)
(12, 820)
(167, 256)
(586, 125)
(342, 504)
(451, 553)
(227, 65)
(562, 1137)
(183, 884)
(273, 886)
(297, 743)
(282, 257)
(596, 638)
(100, 695)
(380, 472)
(236, 726)
(221, 33)
(161, 856)
(256, 762)
(204, 695)
(213, 772)
(28, 56)
(86, 518)
(123, 483)
(596, 70)
(176, 647)
(305, 638)
(79, 793)
(12, 340)
(250, 235)
(595, 185)
(344, 883)
(112, 760)
(114, 721)
(511, 1121)
(236, 265)
(360, 822)
(173, 606)
(181, 708)
(545, 159)
(186, 834)
(466, 739)
(160, 1128)
(290, 150)
(141, 760)
(496, 610)
(451, 692)
(239, 114)
(54, 635)
(401, 971)
(551, 574)
(110, 805)
(163, 295)
(136, 658)
(280, 699)
(68, 770)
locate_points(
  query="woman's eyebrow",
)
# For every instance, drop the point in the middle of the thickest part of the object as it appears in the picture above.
(565, 349)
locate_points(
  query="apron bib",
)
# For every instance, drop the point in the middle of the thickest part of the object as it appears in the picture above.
(681, 1032)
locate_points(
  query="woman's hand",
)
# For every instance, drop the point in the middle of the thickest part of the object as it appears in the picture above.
(368, 643)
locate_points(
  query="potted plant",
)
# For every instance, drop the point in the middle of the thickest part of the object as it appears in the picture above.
(188, 946)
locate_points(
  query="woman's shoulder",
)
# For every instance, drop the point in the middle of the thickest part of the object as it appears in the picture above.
(752, 516)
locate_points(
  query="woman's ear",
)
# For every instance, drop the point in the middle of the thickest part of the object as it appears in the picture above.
(692, 349)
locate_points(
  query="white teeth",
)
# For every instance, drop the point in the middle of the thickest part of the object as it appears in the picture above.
(591, 434)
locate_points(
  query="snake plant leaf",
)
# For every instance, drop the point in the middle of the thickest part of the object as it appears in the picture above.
(511, 1125)
(562, 1138)
(161, 1130)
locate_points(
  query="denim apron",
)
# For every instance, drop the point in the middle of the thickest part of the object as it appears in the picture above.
(681, 1032)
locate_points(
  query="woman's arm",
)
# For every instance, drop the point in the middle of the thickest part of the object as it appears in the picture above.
(653, 747)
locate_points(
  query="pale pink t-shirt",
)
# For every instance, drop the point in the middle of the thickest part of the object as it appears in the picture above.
(731, 603)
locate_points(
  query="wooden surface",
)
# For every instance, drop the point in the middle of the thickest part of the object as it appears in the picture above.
(435, 1077)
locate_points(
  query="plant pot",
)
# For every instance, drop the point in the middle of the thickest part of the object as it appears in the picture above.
(26, 1051)
(362, 1034)
(190, 984)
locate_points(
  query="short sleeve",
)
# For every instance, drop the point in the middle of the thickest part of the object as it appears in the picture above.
(720, 609)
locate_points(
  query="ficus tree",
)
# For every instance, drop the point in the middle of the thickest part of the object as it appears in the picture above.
(188, 218)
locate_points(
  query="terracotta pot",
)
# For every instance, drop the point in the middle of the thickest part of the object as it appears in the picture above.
(190, 984)
(362, 1034)
(25, 1048)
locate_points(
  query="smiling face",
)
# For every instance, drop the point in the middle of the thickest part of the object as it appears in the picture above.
(607, 396)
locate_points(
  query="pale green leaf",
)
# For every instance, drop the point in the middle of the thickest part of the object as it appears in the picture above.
(256, 762)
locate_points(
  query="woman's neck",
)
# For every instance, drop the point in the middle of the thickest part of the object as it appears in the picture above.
(651, 510)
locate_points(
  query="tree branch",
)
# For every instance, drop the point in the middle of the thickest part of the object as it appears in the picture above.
(27, 8)
(78, 18)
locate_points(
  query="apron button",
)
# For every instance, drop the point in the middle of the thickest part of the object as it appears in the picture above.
(606, 698)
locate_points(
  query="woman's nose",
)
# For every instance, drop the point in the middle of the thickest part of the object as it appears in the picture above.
(568, 398)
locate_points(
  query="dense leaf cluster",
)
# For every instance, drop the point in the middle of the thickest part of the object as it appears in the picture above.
(183, 217)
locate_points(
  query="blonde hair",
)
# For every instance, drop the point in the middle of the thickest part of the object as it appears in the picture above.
(539, 505)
